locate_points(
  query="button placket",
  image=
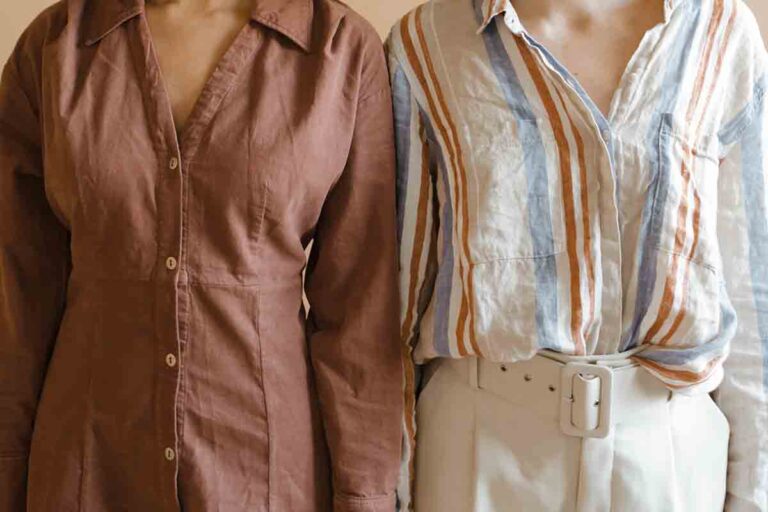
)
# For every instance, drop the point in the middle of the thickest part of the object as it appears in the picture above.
(172, 263)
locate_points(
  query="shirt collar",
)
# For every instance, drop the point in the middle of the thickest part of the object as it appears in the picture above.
(489, 9)
(291, 18)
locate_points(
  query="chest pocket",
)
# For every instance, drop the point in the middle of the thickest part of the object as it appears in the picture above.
(685, 200)
(518, 193)
(517, 236)
(684, 231)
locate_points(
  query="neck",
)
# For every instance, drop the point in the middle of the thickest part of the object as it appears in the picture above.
(576, 9)
(557, 14)
(201, 5)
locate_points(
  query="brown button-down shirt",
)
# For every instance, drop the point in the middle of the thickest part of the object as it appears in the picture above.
(154, 350)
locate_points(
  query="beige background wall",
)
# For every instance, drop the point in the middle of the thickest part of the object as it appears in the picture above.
(16, 14)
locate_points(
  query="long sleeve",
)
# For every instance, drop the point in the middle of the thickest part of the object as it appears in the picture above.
(352, 290)
(417, 242)
(743, 231)
(34, 265)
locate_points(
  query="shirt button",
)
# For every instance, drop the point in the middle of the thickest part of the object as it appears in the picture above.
(170, 360)
(170, 454)
(170, 263)
(174, 163)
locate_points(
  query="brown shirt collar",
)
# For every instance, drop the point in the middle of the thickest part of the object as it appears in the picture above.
(292, 18)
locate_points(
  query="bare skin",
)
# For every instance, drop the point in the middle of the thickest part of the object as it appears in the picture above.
(189, 38)
(593, 39)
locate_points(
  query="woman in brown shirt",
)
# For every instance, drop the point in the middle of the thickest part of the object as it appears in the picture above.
(155, 354)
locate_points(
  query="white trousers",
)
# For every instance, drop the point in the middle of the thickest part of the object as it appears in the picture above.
(479, 452)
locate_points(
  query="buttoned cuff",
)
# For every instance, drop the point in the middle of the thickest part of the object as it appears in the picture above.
(349, 503)
(13, 483)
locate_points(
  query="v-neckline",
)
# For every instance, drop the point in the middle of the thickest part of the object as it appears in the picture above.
(604, 120)
(213, 92)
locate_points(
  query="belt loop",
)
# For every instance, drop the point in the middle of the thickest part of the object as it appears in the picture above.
(474, 369)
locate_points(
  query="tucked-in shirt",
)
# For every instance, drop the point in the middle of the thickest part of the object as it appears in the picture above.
(155, 354)
(529, 220)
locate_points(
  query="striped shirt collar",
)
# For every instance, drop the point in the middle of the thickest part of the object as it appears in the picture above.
(489, 9)
(492, 8)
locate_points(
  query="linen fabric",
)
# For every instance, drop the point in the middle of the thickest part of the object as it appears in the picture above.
(155, 354)
(529, 220)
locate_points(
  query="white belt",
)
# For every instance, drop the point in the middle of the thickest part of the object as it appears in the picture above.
(588, 396)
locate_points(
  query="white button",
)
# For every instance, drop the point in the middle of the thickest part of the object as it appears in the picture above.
(174, 163)
(170, 263)
(170, 360)
(170, 454)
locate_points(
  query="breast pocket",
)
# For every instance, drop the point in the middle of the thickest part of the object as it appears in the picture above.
(518, 193)
(518, 235)
(684, 229)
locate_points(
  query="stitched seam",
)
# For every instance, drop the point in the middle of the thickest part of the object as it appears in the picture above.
(696, 261)
(750, 115)
(280, 28)
(516, 258)
(374, 95)
(271, 459)
(363, 499)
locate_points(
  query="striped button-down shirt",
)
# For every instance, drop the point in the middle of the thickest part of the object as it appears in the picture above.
(529, 220)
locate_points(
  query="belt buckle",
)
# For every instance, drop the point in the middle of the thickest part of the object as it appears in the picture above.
(567, 403)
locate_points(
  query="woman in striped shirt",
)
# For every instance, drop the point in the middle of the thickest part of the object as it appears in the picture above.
(584, 262)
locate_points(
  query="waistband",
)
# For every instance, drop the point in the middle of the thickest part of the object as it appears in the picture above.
(587, 395)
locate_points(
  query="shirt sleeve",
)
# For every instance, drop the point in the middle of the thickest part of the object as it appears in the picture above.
(417, 217)
(352, 290)
(743, 232)
(34, 267)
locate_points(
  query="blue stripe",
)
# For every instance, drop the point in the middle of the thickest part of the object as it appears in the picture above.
(717, 346)
(444, 279)
(732, 130)
(539, 212)
(754, 193)
(401, 98)
(602, 122)
(653, 210)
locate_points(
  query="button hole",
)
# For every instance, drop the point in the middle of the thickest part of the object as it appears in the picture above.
(503, 368)
(552, 388)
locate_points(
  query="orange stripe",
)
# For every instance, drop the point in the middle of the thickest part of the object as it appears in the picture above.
(697, 200)
(667, 299)
(567, 190)
(410, 51)
(670, 282)
(681, 375)
(686, 276)
(681, 314)
(421, 225)
(458, 162)
(720, 58)
(584, 197)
